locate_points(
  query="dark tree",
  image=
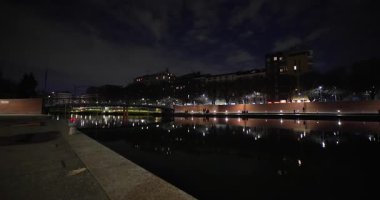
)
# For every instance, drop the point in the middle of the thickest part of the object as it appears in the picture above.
(27, 86)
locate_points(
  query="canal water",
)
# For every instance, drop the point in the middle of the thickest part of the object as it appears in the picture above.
(234, 158)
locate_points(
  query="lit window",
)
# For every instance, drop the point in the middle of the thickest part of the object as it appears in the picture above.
(275, 58)
(295, 67)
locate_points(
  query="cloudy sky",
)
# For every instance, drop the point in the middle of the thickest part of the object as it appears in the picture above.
(95, 42)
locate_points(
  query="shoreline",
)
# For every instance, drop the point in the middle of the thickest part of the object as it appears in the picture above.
(310, 116)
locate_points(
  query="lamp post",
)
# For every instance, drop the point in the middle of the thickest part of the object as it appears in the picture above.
(320, 93)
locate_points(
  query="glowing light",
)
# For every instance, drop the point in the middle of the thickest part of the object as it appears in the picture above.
(338, 111)
(226, 119)
(339, 123)
(323, 144)
(157, 126)
(299, 163)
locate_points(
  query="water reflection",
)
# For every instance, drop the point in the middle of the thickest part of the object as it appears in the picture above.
(214, 158)
(324, 133)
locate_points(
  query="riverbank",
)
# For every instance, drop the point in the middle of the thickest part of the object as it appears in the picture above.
(306, 116)
(40, 160)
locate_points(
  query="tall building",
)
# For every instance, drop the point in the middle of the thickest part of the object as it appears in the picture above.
(283, 69)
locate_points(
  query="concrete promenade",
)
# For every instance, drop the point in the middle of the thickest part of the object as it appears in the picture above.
(40, 160)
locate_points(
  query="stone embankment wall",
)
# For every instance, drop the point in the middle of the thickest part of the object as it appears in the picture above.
(20, 106)
(312, 107)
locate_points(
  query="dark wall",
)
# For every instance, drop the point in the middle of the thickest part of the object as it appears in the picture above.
(20, 106)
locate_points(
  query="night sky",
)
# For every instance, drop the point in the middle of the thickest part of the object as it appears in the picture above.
(99, 42)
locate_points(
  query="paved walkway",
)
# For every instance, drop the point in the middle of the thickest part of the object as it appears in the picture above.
(38, 163)
(40, 160)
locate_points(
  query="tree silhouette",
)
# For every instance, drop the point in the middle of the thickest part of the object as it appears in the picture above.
(27, 86)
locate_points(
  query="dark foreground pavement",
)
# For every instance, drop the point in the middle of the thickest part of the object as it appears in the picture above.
(39, 160)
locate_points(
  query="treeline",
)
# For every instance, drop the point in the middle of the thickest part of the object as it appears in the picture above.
(25, 88)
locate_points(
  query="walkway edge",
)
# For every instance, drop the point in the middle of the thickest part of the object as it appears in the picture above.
(119, 177)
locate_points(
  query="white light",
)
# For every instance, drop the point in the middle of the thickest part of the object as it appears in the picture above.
(226, 119)
(157, 125)
(323, 144)
(339, 123)
(295, 67)
(338, 111)
(299, 162)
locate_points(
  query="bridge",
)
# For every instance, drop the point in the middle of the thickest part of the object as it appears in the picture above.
(70, 104)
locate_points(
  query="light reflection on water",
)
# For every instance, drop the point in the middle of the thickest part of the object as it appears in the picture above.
(213, 158)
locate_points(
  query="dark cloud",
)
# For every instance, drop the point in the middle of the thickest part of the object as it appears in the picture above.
(99, 42)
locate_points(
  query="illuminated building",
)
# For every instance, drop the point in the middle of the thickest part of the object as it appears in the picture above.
(283, 70)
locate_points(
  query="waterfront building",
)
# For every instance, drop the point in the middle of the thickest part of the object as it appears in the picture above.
(150, 79)
(283, 71)
(240, 75)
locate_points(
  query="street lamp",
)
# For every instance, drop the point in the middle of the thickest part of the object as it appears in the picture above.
(320, 93)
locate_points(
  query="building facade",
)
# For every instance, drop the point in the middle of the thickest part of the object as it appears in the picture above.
(283, 70)
(150, 79)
